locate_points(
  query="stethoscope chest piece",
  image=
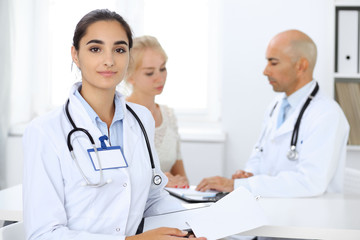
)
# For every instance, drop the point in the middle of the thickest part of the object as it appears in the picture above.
(157, 180)
(293, 154)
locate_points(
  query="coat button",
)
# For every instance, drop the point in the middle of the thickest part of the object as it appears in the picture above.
(118, 229)
(125, 184)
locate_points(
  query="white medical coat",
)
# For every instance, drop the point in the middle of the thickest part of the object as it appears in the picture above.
(321, 145)
(57, 206)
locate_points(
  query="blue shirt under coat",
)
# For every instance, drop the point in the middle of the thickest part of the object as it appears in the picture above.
(115, 132)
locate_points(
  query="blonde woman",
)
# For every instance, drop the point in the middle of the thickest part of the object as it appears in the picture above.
(147, 75)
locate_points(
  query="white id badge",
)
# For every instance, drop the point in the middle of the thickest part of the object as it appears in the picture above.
(110, 158)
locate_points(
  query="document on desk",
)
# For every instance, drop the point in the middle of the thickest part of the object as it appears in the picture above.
(191, 195)
(235, 213)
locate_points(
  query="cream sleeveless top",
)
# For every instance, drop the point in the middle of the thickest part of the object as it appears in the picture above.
(167, 140)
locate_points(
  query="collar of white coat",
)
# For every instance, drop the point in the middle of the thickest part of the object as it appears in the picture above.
(77, 103)
(296, 101)
(119, 113)
(83, 120)
(297, 97)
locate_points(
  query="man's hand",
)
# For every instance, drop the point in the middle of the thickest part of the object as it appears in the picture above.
(216, 183)
(241, 174)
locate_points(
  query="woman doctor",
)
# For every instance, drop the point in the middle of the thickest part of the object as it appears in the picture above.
(76, 189)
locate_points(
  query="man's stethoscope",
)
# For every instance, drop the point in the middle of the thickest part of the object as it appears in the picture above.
(293, 154)
(156, 178)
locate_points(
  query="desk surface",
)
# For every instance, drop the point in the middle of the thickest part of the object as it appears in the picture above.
(11, 204)
(332, 216)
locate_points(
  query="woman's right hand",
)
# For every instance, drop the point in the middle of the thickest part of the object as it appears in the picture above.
(163, 233)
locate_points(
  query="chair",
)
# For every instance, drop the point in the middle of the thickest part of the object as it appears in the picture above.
(13, 231)
(352, 181)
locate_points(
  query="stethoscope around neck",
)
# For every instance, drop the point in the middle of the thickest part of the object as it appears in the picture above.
(156, 178)
(292, 154)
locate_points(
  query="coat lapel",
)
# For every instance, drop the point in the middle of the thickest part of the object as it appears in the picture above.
(130, 130)
(287, 126)
(82, 119)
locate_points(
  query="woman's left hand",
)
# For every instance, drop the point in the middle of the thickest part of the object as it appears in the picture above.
(177, 181)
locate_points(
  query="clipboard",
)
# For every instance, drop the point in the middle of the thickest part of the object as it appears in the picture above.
(177, 219)
(192, 196)
(217, 220)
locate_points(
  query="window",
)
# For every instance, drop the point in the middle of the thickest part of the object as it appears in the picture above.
(188, 32)
(188, 35)
(183, 33)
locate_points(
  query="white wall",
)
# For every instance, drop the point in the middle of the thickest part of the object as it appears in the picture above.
(247, 27)
(245, 30)
(202, 159)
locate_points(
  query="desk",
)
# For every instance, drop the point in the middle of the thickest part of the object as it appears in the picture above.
(11, 204)
(332, 216)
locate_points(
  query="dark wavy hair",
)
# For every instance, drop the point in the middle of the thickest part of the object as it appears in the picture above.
(99, 15)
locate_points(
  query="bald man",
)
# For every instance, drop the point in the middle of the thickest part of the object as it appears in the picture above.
(316, 164)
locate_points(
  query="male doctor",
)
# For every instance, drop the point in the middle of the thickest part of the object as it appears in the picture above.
(321, 140)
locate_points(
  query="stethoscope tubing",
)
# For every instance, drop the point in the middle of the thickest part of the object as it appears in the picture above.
(156, 178)
(293, 154)
(295, 133)
(145, 135)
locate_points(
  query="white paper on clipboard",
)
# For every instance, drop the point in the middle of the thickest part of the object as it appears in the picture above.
(235, 213)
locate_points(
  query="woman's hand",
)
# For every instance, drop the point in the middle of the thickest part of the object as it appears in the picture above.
(163, 234)
(177, 181)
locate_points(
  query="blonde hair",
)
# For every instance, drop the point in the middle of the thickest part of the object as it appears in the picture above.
(140, 44)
